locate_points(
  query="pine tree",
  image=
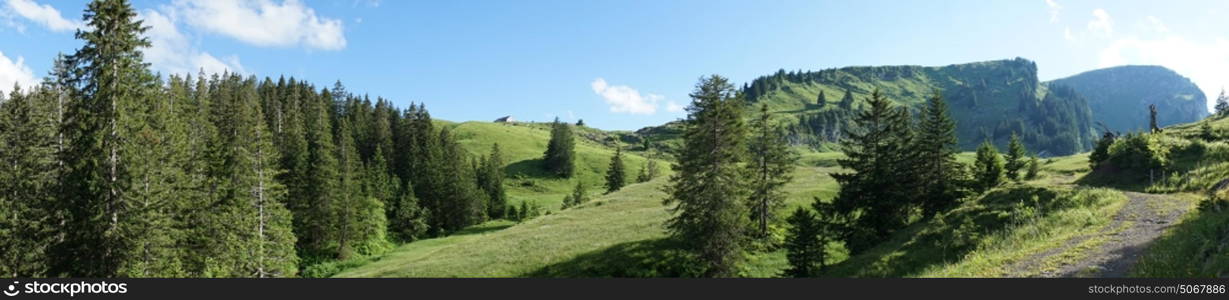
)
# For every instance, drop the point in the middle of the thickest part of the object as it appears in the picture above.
(876, 196)
(1222, 104)
(616, 176)
(461, 202)
(322, 190)
(648, 172)
(1205, 131)
(1016, 155)
(1034, 167)
(936, 146)
(708, 188)
(28, 171)
(821, 99)
(491, 180)
(771, 166)
(408, 220)
(988, 167)
(560, 150)
(847, 101)
(1100, 153)
(803, 246)
(119, 187)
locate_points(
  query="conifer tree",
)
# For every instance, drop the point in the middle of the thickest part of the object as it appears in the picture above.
(648, 172)
(616, 176)
(821, 99)
(1222, 104)
(560, 150)
(1016, 155)
(491, 180)
(877, 195)
(28, 175)
(847, 101)
(803, 245)
(1034, 167)
(988, 167)
(708, 188)
(936, 147)
(119, 184)
(771, 166)
(1205, 131)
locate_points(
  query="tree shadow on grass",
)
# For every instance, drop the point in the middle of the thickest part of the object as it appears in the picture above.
(653, 258)
(949, 236)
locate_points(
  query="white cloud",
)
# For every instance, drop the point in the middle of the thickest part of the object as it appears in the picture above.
(1157, 25)
(675, 107)
(265, 23)
(171, 52)
(625, 99)
(1067, 34)
(1204, 62)
(1101, 23)
(1054, 9)
(15, 72)
(44, 14)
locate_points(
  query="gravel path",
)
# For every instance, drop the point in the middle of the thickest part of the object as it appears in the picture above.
(1143, 219)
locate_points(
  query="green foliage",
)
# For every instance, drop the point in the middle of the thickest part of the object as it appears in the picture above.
(28, 180)
(708, 189)
(1016, 155)
(560, 153)
(1034, 168)
(770, 167)
(1222, 104)
(1101, 152)
(491, 180)
(616, 175)
(988, 168)
(936, 143)
(803, 244)
(1139, 153)
(648, 172)
(876, 196)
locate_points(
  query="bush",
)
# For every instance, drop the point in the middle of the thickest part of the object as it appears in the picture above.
(1139, 153)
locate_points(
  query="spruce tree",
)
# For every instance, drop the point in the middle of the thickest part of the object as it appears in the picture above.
(616, 176)
(877, 195)
(118, 191)
(847, 101)
(1034, 167)
(491, 180)
(560, 150)
(988, 168)
(821, 100)
(1222, 104)
(1016, 155)
(28, 175)
(771, 166)
(1205, 131)
(708, 189)
(803, 246)
(936, 146)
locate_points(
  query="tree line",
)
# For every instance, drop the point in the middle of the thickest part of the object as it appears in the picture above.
(110, 170)
(901, 168)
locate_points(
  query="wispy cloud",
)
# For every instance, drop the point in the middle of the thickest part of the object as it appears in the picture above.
(625, 99)
(1101, 23)
(43, 14)
(1054, 10)
(265, 23)
(15, 72)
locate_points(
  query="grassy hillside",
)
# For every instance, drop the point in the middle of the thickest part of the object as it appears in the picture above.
(1120, 96)
(989, 101)
(619, 234)
(522, 146)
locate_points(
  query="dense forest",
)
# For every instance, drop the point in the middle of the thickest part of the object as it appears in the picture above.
(111, 170)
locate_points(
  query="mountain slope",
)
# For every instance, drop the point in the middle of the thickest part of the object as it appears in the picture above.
(989, 100)
(1119, 96)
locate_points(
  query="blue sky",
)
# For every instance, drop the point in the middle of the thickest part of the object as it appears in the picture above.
(620, 64)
